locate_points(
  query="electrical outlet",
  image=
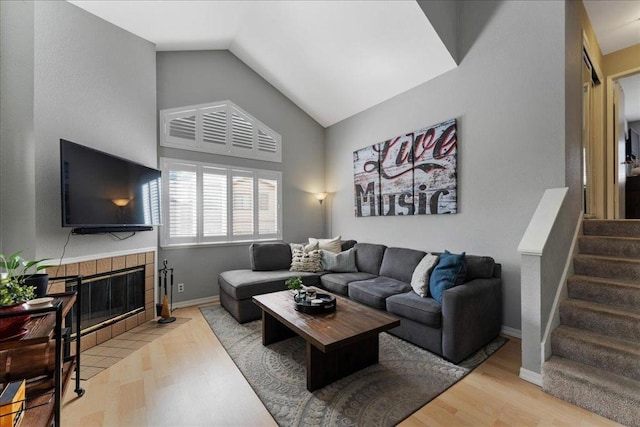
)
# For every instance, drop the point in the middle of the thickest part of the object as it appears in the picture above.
(180, 287)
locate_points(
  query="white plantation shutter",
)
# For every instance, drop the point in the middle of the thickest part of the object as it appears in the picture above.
(220, 128)
(181, 202)
(206, 203)
(180, 126)
(268, 209)
(241, 131)
(214, 126)
(242, 207)
(267, 143)
(214, 202)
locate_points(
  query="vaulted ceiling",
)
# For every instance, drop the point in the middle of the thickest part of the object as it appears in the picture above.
(333, 59)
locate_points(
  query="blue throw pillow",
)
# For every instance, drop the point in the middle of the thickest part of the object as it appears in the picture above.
(449, 272)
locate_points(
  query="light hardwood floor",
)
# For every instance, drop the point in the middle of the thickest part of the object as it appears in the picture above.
(185, 378)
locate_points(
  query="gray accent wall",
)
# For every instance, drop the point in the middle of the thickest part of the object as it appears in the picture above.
(17, 193)
(92, 83)
(197, 77)
(508, 94)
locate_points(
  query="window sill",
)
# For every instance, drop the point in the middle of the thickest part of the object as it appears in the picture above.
(215, 244)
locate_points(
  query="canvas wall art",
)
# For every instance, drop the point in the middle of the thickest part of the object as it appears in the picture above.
(411, 174)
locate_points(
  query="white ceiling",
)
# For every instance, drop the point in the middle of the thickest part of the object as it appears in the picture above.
(333, 59)
(615, 22)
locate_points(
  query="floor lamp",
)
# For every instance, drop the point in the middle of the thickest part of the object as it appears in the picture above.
(321, 197)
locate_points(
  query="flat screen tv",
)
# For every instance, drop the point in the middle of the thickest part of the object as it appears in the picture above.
(103, 193)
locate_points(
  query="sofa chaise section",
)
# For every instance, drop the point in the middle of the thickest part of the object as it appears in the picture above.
(238, 286)
(270, 262)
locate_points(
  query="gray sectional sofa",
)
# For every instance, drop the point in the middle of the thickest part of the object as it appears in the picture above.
(469, 317)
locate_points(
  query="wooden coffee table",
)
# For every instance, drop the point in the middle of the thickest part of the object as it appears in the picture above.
(338, 343)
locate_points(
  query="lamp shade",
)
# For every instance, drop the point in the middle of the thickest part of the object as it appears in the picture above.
(321, 196)
(121, 202)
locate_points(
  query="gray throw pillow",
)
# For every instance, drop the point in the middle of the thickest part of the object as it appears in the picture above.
(342, 262)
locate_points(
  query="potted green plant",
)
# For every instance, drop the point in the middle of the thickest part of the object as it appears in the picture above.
(17, 287)
(17, 283)
(295, 284)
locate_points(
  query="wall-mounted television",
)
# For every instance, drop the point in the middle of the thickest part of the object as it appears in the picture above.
(103, 193)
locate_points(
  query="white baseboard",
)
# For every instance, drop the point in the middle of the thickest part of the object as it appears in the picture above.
(199, 301)
(516, 333)
(530, 376)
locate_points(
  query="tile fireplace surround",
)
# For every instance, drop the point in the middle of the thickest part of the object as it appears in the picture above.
(107, 265)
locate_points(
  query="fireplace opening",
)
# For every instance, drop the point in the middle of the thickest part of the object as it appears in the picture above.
(108, 298)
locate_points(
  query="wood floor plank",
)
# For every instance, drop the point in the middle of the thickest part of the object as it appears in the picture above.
(185, 377)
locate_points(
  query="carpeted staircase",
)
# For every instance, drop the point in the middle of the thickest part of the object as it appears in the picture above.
(596, 349)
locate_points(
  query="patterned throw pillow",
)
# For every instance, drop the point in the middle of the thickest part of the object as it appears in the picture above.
(306, 247)
(420, 277)
(305, 261)
(343, 262)
(450, 271)
(332, 245)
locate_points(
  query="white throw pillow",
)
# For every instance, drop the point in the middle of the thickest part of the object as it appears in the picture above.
(332, 245)
(420, 277)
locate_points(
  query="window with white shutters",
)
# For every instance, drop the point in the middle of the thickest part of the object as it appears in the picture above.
(220, 128)
(206, 203)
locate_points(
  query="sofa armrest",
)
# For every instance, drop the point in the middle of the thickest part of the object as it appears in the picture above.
(471, 317)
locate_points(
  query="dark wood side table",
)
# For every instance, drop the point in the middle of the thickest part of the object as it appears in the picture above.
(38, 358)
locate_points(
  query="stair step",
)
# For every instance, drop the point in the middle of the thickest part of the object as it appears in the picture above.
(604, 352)
(610, 267)
(621, 247)
(613, 396)
(602, 319)
(604, 291)
(611, 227)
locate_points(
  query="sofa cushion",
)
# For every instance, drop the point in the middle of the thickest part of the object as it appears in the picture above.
(337, 282)
(369, 257)
(268, 256)
(374, 292)
(343, 262)
(420, 276)
(449, 272)
(412, 306)
(399, 263)
(479, 267)
(241, 284)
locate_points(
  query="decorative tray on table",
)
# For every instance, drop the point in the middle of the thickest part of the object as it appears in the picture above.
(322, 303)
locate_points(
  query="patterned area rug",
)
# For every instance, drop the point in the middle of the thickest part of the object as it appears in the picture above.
(406, 378)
